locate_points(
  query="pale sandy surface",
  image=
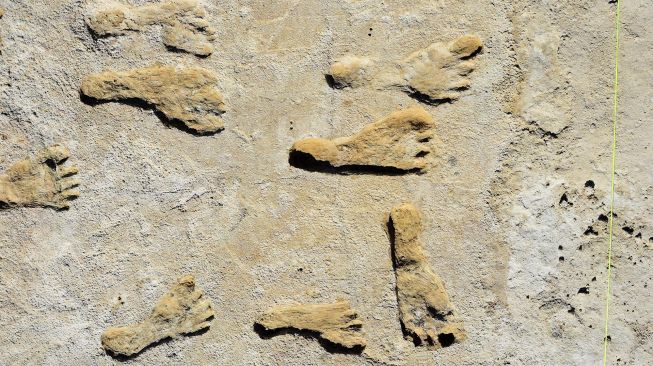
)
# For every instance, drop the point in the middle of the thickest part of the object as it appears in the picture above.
(158, 202)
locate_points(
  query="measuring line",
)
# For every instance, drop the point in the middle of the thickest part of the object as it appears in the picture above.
(617, 25)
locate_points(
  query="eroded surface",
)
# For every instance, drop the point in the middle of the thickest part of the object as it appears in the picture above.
(534, 124)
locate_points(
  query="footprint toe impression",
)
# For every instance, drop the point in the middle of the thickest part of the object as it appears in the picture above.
(425, 310)
(187, 96)
(337, 322)
(438, 72)
(40, 181)
(182, 310)
(396, 143)
(185, 27)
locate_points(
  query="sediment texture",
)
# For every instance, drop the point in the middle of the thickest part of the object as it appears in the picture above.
(400, 141)
(513, 208)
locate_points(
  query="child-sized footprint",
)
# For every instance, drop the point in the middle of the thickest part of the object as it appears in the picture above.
(398, 143)
(426, 313)
(184, 23)
(186, 95)
(181, 310)
(40, 181)
(439, 71)
(434, 74)
(336, 323)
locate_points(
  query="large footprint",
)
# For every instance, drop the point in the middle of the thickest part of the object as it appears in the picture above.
(425, 311)
(396, 143)
(40, 181)
(184, 23)
(185, 95)
(436, 73)
(181, 310)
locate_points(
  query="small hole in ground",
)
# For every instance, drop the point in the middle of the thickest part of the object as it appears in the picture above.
(572, 310)
(589, 184)
(565, 199)
(446, 339)
(590, 231)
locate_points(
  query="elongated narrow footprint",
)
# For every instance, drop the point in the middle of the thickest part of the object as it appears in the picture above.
(427, 315)
(182, 310)
(434, 74)
(336, 323)
(186, 95)
(398, 143)
(41, 180)
(184, 23)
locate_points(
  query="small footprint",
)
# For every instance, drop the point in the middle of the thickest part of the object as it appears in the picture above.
(336, 323)
(184, 23)
(426, 313)
(40, 181)
(434, 74)
(398, 143)
(351, 71)
(182, 310)
(181, 95)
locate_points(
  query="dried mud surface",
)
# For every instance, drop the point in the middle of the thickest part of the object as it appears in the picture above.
(513, 205)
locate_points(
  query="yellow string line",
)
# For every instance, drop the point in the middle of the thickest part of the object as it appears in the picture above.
(608, 291)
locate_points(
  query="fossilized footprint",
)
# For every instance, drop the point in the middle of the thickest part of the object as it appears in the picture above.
(396, 143)
(40, 181)
(184, 23)
(184, 95)
(181, 310)
(336, 323)
(351, 71)
(427, 315)
(436, 73)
